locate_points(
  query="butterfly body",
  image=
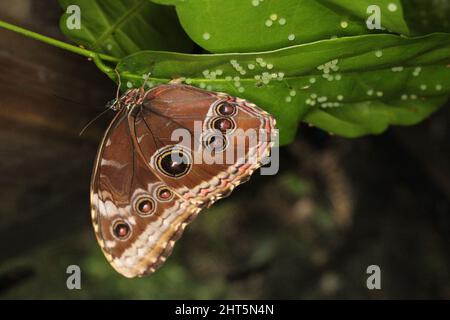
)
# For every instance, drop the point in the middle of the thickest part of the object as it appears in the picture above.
(147, 185)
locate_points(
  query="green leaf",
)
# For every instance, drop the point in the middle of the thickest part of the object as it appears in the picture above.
(260, 25)
(121, 27)
(168, 2)
(349, 86)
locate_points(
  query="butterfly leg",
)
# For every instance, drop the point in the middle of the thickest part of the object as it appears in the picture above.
(175, 81)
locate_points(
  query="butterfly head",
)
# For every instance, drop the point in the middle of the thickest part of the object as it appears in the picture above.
(127, 100)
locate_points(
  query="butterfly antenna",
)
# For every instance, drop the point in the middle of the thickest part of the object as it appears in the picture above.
(93, 120)
(119, 84)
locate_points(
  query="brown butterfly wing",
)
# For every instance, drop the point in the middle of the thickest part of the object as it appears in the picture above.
(136, 217)
(138, 210)
(170, 107)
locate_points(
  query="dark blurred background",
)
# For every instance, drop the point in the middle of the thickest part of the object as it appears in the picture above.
(336, 206)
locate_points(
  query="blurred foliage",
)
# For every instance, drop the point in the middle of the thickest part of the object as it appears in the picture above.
(279, 237)
(427, 16)
(228, 252)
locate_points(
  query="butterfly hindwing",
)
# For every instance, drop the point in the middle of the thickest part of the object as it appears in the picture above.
(141, 198)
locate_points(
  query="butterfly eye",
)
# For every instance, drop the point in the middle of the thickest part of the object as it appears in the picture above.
(223, 124)
(121, 230)
(164, 194)
(145, 206)
(174, 163)
(226, 109)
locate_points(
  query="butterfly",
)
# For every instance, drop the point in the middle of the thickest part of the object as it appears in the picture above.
(146, 187)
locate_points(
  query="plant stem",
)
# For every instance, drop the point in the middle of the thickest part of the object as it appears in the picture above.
(60, 44)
